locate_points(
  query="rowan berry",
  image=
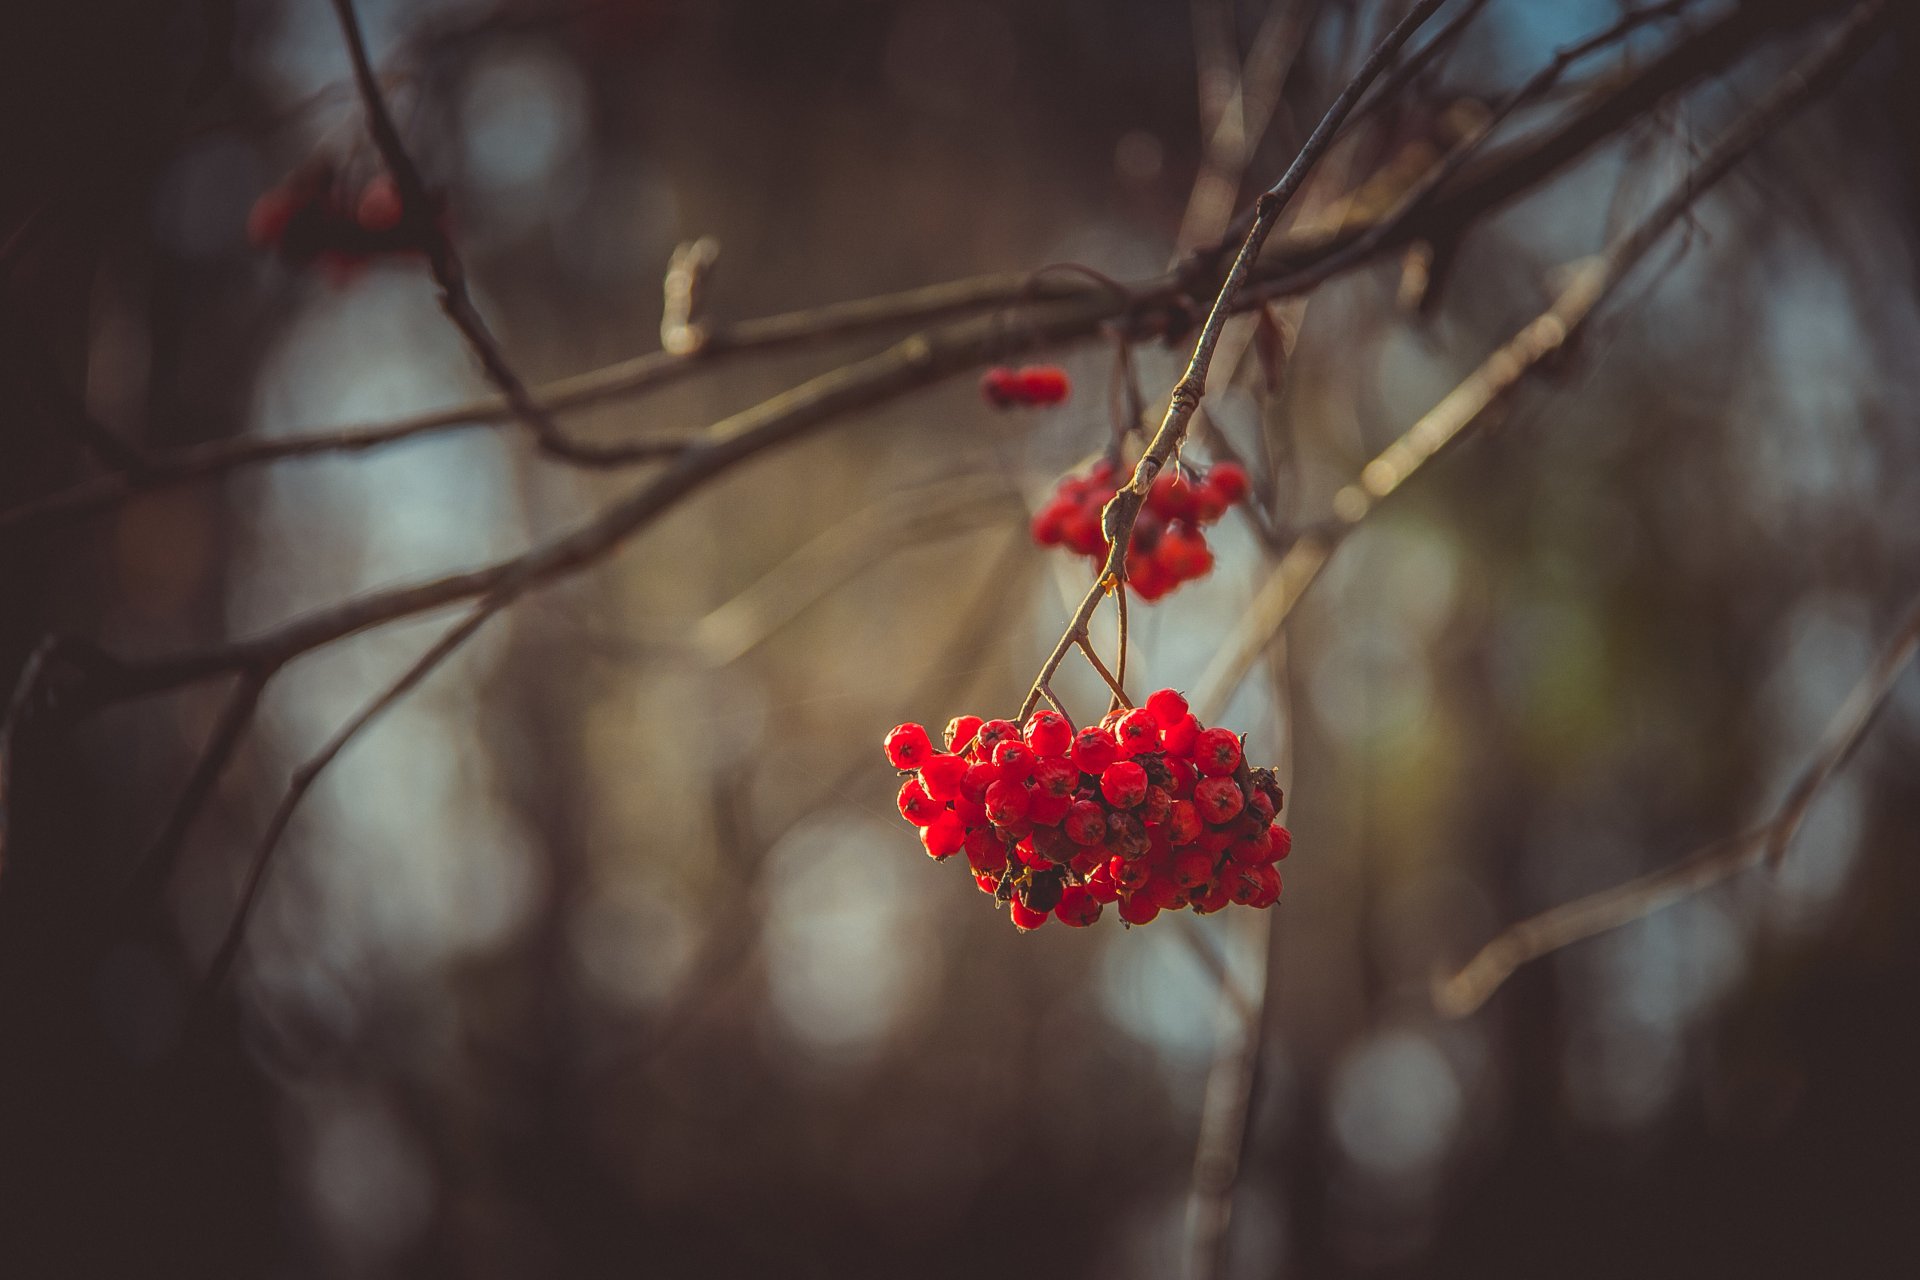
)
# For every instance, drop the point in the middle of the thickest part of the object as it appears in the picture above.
(1218, 799)
(1192, 869)
(991, 734)
(978, 777)
(1124, 784)
(1167, 707)
(960, 731)
(1094, 748)
(1099, 883)
(1047, 809)
(916, 806)
(1049, 734)
(942, 775)
(1216, 752)
(985, 851)
(1282, 842)
(1077, 907)
(1025, 918)
(944, 836)
(1183, 822)
(1055, 777)
(908, 746)
(1086, 822)
(1229, 480)
(1138, 732)
(1043, 384)
(1007, 802)
(1127, 873)
(1138, 907)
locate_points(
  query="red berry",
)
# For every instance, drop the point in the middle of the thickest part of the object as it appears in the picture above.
(1218, 799)
(1229, 480)
(1155, 809)
(1014, 757)
(1001, 387)
(942, 775)
(1216, 753)
(1100, 884)
(1025, 918)
(1007, 802)
(1138, 732)
(916, 806)
(1049, 734)
(908, 746)
(986, 854)
(1055, 777)
(991, 734)
(1193, 869)
(960, 731)
(1183, 822)
(1209, 504)
(1181, 735)
(1094, 749)
(944, 836)
(1138, 907)
(988, 882)
(1077, 907)
(1170, 497)
(1282, 842)
(1166, 707)
(1086, 822)
(1215, 896)
(1047, 809)
(1124, 784)
(1043, 384)
(978, 777)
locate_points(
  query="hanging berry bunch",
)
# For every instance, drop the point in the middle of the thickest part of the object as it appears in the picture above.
(1037, 386)
(1168, 546)
(315, 216)
(1149, 809)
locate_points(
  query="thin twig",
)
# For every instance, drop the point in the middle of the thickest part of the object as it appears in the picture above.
(309, 772)
(155, 864)
(1467, 990)
(1123, 509)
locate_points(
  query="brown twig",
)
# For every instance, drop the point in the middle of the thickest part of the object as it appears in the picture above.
(1467, 990)
(309, 772)
(1123, 509)
(156, 862)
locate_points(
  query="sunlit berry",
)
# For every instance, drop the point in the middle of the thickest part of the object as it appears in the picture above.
(1048, 733)
(960, 731)
(942, 774)
(1167, 707)
(1137, 732)
(1077, 907)
(916, 806)
(991, 734)
(908, 746)
(944, 836)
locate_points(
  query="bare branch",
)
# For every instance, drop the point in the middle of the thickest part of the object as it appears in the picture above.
(1465, 991)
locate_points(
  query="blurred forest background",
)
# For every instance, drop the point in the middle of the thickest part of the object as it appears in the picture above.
(604, 953)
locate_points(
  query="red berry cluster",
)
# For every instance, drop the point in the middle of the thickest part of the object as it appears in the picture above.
(1168, 546)
(1148, 808)
(1034, 387)
(314, 217)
